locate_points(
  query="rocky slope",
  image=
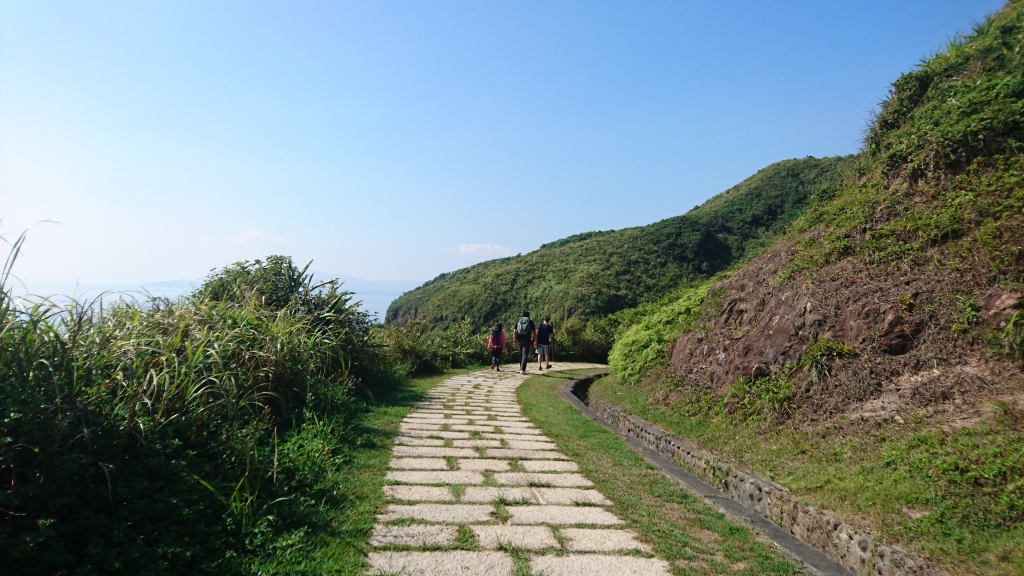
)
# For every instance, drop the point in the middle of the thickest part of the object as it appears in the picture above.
(915, 265)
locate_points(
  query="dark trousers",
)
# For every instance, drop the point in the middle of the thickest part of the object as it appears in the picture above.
(524, 353)
(496, 357)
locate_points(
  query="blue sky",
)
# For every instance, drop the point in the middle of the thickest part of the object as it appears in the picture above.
(398, 140)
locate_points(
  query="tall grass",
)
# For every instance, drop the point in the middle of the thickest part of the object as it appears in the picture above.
(182, 436)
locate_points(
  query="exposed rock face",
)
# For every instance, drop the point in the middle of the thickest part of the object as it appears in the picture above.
(755, 324)
(758, 331)
(998, 305)
(898, 332)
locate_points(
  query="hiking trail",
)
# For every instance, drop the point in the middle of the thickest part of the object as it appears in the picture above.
(476, 488)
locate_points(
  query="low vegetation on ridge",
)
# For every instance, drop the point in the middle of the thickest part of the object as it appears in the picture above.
(592, 275)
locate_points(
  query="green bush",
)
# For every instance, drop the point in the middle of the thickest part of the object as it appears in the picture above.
(417, 349)
(767, 399)
(583, 340)
(1013, 337)
(642, 343)
(177, 437)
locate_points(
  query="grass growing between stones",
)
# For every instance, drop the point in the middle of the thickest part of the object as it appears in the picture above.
(342, 546)
(691, 536)
(953, 496)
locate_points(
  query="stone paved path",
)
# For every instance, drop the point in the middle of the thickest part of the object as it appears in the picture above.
(474, 483)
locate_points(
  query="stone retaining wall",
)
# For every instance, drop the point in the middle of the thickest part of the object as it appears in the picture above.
(857, 550)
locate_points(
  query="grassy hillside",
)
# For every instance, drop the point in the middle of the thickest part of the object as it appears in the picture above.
(871, 359)
(598, 273)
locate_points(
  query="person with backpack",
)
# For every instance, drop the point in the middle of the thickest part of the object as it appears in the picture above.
(496, 344)
(545, 342)
(525, 338)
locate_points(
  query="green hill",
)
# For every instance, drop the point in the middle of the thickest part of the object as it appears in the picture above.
(594, 274)
(871, 359)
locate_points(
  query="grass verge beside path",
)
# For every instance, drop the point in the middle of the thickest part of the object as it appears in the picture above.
(948, 493)
(341, 547)
(693, 537)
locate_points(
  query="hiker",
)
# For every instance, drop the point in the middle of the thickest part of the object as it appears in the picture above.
(545, 342)
(496, 344)
(524, 339)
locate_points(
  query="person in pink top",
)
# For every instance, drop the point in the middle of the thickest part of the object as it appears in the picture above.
(496, 344)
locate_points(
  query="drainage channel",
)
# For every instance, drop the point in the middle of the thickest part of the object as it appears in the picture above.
(795, 549)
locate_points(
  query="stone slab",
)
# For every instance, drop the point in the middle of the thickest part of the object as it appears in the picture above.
(481, 464)
(566, 480)
(435, 477)
(524, 437)
(427, 451)
(524, 537)
(492, 494)
(419, 493)
(473, 428)
(532, 454)
(414, 441)
(487, 443)
(524, 445)
(563, 515)
(517, 425)
(549, 466)
(589, 565)
(571, 496)
(418, 464)
(446, 513)
(601, 540)
(419, 426)
(452, 420)
(438, 433)
(528, 431)
(455, 562)
(413, 535)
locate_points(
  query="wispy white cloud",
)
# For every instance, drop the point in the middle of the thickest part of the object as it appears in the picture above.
(250, 237)
(486, 250)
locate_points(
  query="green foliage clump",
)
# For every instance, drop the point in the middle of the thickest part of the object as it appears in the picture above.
(1013, 337)
(642, 345)
(592, 275)
(416, 349)
(178, 437)
(584, 340)
(972, 478)
(771, 397)
(768, 399)
(970, 314)
(941, 162)
(962, 104)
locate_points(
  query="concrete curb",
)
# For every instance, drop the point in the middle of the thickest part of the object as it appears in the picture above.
(800, 552)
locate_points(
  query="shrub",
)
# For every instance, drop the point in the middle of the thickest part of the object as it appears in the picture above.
(175, 437)
(416, 349)
(583, 340)
(642, 342)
